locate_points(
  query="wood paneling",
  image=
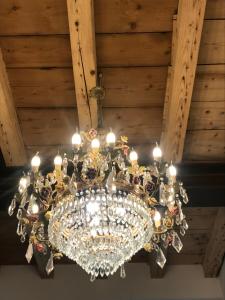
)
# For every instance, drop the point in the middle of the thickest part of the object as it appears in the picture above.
(36, 51)
(33, 17)
(56, 126)
(212, 48)
(134, 86)
(144, 49)
(47, 126)
(209, 83)
(134, 16)
(215, 250)
(43, 87)
(215, 9)
(205, 145)
(207, 115)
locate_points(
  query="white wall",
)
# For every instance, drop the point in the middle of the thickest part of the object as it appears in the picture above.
(70, 282)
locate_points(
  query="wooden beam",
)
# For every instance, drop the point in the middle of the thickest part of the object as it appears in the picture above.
(216, 247)
(11, 141)
(82, 39)
(186, 41)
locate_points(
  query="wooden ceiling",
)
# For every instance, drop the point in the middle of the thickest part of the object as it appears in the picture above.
(164, 78)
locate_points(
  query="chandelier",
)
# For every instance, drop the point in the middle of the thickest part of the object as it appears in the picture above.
(99, 207)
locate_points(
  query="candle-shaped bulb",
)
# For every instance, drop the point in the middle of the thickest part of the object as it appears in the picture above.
(133, 156)
(172, 171)
(157, 153)
(110, 138)
(95, 144)
(76, 139)
(35, 208)
(157, 219)
(58, 162)
(35, 163)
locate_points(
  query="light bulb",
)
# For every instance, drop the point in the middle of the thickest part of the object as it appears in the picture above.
(23, 182)
(157, 219)
(58, 160)
(133, 156)
(76, 139)
(172, 171)
(157, 153)
(35, 163)
(35, 208)
(110, 138)
(95, 144)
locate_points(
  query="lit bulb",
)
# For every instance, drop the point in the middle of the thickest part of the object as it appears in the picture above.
(95, 144)
(157, 219)
(133, 156)
(110, 138)
(58, 160)
(35, 163)
(23, 182)
(76, 139)
(35, 208)
(157, 153)
(172, 171)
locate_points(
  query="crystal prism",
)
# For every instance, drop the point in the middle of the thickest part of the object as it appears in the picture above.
(122, 272)
(50, 264)
(185, 224)
(176, 242)
(29, 253)
(160, 258)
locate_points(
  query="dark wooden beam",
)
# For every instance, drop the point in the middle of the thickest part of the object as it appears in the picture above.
(216, 247)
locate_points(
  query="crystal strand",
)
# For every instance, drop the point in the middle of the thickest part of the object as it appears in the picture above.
(176, 242)
(122, 272)
(65, 164)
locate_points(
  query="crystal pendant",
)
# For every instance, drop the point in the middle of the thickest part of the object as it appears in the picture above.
(50, 264)
(185, 198)
(182, 230)
(29, 253)
(185, 224)
(160, 258)
(65, 165)
(12, 207)
(122, 272)
(92, 279)
(176, 242)
(110, 179)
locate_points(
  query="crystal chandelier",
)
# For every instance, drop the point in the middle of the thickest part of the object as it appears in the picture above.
(99, 206)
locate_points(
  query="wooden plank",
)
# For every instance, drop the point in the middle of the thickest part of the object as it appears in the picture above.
(207, 115)
(216, 247)
(11, 141)
(215, 9)
(189, 27)
(36, 51)
(134, 86)
(199, 218)
(143, 49)
(122, 16)
(209, 83)
(47, 126)
(205, 145)
(212, 49)
(52, 87)
(56, 126)
(33, 17)
(82, 40)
